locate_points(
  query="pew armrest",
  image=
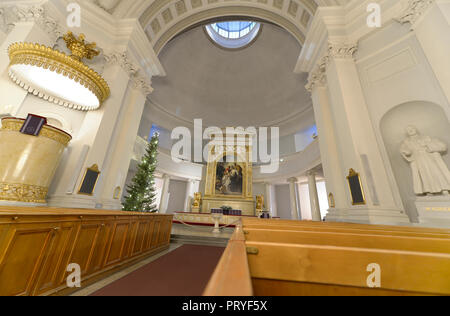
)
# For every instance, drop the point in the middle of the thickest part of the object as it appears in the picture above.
(232, 275)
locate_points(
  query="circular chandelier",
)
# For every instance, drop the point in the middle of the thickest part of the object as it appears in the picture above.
(57, 77)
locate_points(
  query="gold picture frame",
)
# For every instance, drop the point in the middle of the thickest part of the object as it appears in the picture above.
(331, 201)
(356, 188)
(117, 192)
(86, 188)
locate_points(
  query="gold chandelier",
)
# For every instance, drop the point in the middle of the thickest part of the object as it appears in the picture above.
(57, 77)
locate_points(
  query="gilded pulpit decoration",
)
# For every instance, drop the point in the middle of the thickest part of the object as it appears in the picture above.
(28, 162)
(36, 68)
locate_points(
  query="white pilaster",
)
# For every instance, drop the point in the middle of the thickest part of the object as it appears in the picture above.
(293, 196)
(270, 200)
(121, 146)
(314, 197)
(165, 195)
(430, 20)
(189, 195)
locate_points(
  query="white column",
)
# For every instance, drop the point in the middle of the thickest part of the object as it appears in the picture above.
(121, 147)
(189, 195)
(430, 21)
(335, 181)
(293, 196)
(165, 195)
(270, 200)
(355, 138)
(314, 197)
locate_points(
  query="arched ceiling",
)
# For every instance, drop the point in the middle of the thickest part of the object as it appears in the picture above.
(164, 19)
(251, 87)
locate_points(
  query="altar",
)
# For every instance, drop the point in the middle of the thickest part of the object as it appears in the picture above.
(229, 176)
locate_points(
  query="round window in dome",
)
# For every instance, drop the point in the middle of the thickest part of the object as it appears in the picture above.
(233, 34)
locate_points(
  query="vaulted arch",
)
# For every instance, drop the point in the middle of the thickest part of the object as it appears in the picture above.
(164, 19)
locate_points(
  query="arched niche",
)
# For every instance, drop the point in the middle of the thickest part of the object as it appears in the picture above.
(431, 120)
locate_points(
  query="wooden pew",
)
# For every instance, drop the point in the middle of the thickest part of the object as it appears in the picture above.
(38, 244)
(306, 258)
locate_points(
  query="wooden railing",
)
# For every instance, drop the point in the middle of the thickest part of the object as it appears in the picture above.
(38, 244)
(232, 275)
(306, 258)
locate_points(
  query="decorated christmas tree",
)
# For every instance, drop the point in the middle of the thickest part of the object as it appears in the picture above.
(142, 192)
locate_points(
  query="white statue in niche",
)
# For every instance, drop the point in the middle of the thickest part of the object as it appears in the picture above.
(424, 153)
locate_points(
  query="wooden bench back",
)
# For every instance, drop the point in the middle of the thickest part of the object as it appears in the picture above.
(306, 258)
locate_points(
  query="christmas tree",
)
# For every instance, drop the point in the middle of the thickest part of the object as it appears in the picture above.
(142, 192)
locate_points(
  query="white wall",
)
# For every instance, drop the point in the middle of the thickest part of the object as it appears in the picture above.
(305, 202)
(259, 189)
(393, 71)
(177, 195)
(430, 119)
(283, 201)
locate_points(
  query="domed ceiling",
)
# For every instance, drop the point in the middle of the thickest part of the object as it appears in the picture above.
(254, 86)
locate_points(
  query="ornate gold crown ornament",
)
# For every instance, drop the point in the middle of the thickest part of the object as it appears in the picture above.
(57, 77)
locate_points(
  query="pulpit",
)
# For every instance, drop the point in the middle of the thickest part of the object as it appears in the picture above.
(27, 162)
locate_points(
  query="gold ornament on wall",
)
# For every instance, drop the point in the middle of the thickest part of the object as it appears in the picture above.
(57, 77)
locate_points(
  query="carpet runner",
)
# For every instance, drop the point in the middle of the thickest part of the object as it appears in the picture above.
(182, 272)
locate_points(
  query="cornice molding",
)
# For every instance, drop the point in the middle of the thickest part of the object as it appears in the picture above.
(414, 10)
(116, 34)
(10, 15)
(138, 80)
(344, 24)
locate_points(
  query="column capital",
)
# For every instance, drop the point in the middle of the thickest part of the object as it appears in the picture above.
(292, 180)
(318, 76)
(122, 60)
(336, 50)
(139, 81)
(413, 10)
(311, 173)
(341, 50)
